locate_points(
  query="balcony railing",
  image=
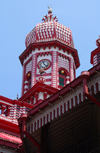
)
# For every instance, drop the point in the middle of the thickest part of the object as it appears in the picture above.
(12, 109)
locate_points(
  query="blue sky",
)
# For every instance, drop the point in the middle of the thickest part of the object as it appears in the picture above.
(19, 17)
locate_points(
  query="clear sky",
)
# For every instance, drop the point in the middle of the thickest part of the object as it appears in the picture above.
(19, 17)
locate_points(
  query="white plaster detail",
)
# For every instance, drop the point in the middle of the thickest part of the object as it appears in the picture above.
(67, 82)
(40, 95)
(66, 106)
(29, 66)
(5, 103)
(26, 82)
(25, 87)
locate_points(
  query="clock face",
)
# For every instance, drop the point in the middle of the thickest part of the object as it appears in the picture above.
(45, 64)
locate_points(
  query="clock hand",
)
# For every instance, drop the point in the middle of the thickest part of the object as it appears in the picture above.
(44, 63)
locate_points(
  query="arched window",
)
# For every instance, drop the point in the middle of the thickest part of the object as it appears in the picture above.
(63, 77)
(28, 81)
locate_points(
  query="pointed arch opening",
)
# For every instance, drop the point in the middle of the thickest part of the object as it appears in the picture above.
(28, 79)
(64, 77)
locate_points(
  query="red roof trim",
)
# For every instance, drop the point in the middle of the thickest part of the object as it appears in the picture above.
(61, 92)
(35, 88)
(8, 125)
(55, 42)
(10, 138)
(93, 53)
(12, 102)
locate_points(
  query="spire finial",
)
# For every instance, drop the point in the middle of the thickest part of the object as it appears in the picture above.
(17, 97)
(49, 10)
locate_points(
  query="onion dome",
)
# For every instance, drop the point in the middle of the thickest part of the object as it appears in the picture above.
(50, 30)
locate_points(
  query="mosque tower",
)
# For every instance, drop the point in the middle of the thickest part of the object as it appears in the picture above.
(49, 58)
(56, 112)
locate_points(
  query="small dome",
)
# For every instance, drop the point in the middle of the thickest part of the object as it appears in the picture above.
(98, 42)
(50, 30)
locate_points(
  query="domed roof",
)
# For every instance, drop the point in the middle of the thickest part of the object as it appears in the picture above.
(50, 30)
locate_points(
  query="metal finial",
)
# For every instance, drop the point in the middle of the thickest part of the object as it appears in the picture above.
(17, 97)
(49, 9)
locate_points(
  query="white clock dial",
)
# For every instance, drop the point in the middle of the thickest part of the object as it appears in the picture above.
(44, 64)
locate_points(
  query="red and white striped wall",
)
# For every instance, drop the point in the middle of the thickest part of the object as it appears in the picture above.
(71, 70)
(95, 60)
(54, 69)
(28, 66)
(63, 62)
(33, 72)
(58, 58)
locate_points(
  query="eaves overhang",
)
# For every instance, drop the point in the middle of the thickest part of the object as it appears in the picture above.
(55, 43)
(70, 87)
(9, 102)
(10, 141)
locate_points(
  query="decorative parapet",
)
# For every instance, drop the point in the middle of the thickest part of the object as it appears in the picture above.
(12, 109)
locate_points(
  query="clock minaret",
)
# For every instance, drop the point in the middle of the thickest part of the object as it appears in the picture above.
(49, 49)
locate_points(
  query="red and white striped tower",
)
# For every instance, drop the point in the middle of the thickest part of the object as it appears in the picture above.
(49, 46)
